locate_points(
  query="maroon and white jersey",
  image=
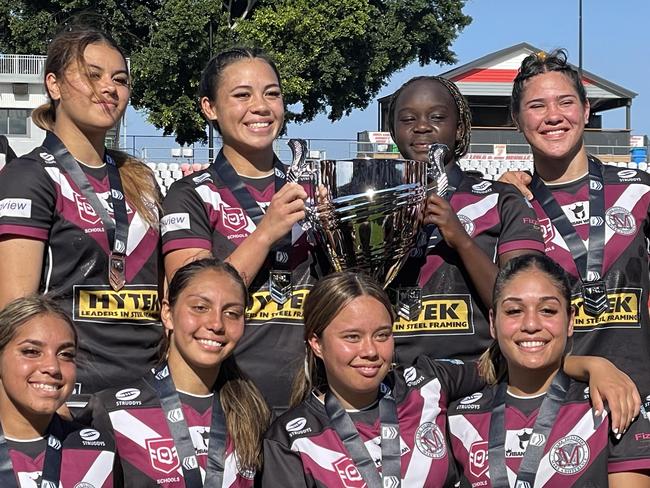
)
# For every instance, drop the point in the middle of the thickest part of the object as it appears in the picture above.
(301, 449)
(119, 332)
(202, 213)
(576, 451)
(87, 458)
(144, 443)
(622, 335)
(453, 320)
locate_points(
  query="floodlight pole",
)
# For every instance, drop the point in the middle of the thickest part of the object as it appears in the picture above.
(580, 38)
(210, 128)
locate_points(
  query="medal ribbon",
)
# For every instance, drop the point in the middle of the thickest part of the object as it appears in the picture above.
(535, 450)
(161, 381)
(117, 229)
(51, 471)
(390, 441)
(589, 263)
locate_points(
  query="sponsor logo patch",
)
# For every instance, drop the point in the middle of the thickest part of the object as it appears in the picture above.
(482, 187)
(569, 455)
(163, 455)
(103, 304)
(548, 231)
(478, 458)
(430, 441)
(263, 308)
(89, 434)
(16, 207)
(175, 221)
(446, 315)
(233, 218)
(468, 224)
(620, 220)
(348, 472)
(624, 312)
(127, 394)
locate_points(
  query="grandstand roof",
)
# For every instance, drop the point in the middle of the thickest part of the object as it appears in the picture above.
(492, 76)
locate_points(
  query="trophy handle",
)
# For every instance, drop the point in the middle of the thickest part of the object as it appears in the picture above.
(438, 182)
(299, 155)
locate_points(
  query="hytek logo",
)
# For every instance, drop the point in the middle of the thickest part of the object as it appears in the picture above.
(624, 311)
(569, 455)
(430, 441)
(439, 316)
(264, 308)
(468, 403)
(163, 455)
(349, 474)
(175, 221)
(478, 458)
(482, 187)
(16, 207)
(233, 218)
(102, 304)
(297, 426)
(127, 397)
(620, 220)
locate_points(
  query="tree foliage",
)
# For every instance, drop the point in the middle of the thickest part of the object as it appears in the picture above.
(334, 55)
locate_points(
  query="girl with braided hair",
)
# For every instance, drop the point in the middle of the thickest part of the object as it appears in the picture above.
(474, 227)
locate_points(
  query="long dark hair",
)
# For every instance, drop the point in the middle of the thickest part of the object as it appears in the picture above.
(247, 415)
(68, 48)
(492, 364)
(322, 305)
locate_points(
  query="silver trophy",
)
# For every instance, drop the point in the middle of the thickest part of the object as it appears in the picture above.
(366, 213)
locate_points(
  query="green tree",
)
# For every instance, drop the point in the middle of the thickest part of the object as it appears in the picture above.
(334, 55)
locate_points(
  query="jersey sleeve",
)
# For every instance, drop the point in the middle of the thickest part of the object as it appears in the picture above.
(282, 467)
(458, 378)
(519, 227)
(27, 199)
(185, 223)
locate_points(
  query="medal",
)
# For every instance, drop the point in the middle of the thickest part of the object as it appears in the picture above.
(594, 294)
(116, 271)
(280, 286)
(409, 302)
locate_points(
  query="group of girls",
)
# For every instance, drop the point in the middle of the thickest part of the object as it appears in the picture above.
(83, 224)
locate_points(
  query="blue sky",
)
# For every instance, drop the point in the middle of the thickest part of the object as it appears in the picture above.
(616, 40)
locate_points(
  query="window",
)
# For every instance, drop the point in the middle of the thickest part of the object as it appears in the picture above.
(14, 121)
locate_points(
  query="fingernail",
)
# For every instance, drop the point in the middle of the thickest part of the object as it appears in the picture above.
(618, 436)
(615, 430)
(597, 413)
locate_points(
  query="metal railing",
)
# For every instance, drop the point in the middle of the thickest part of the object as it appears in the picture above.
(21, 64)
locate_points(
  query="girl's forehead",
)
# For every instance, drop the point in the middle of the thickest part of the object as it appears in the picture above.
(426, 91)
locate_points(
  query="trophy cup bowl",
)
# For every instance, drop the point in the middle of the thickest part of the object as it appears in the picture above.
(366, 213)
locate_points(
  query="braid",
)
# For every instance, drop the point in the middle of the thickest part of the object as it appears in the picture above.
(464, 113)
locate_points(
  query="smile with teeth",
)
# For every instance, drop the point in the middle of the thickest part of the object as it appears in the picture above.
(44, 386)
(531, 344)
(258, 125)
(210, 343)
(554, 132)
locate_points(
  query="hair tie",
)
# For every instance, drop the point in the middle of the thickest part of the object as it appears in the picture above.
(541, 55)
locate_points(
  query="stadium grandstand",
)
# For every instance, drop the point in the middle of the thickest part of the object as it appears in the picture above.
(486, 82)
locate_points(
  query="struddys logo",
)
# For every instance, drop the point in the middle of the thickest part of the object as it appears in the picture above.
(233, 218)
(624, 311)
(430, 441)
(478, 458)
(163, 455)
(348, 473)
(569, 455)
(621, 221)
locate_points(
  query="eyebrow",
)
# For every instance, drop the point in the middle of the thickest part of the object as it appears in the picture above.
(36, 342)
(90, 65)
(270, 85)
(203, 297)
(558, 97)
(541, 299)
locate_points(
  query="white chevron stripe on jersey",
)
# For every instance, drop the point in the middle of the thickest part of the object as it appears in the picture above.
(214, 199)
(322, 456)
(480, 208)
(134, 429)
(419, 464)
(68, 192)
(100, 469)
(464, 431)
(585, 428)
(628, 200)
(138, 228)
